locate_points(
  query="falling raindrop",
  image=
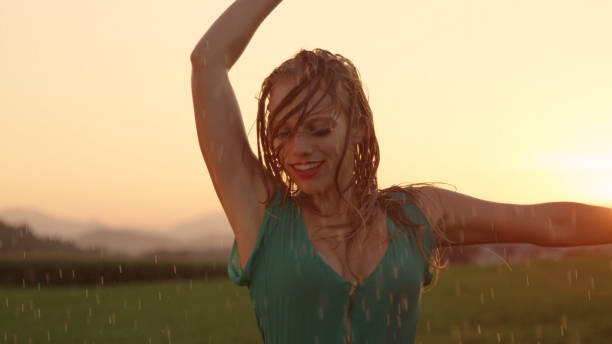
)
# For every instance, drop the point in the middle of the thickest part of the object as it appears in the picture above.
(527, 279)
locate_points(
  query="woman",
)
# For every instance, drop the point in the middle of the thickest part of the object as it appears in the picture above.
(327, 256)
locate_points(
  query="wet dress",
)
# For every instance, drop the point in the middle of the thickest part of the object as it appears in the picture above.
(299, 298)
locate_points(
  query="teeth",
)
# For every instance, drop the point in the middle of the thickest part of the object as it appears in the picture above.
(306, 166)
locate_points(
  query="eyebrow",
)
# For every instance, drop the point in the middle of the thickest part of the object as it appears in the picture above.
(315, 119)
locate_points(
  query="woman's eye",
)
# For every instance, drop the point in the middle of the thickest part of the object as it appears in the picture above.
(322, 132)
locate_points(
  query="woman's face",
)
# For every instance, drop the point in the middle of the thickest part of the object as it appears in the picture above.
(311, 153)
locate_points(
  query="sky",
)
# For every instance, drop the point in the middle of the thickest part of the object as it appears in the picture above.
(509, 101)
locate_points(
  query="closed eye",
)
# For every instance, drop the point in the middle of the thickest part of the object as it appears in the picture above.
(322, 132)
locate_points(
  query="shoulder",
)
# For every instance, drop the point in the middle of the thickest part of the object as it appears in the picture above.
(429, 200)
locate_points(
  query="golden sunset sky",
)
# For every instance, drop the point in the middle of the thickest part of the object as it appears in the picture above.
(510, 101)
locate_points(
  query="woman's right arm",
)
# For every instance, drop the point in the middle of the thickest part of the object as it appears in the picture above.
(237, 175)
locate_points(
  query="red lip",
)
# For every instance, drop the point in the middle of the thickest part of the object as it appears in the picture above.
(306, 174)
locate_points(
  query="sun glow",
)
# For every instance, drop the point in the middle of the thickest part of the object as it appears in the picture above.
(588, 175)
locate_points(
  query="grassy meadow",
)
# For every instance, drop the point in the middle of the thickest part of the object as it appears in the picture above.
(566, 301)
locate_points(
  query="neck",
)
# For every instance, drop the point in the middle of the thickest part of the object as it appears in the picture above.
(330, 205)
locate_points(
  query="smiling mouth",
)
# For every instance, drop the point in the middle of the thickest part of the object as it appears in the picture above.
(308, 169)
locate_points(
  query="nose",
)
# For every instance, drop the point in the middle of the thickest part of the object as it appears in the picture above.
(300, 144)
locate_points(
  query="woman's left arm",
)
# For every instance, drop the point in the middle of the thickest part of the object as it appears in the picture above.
(467, 220)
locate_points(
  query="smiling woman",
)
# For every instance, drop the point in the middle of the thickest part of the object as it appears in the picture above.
(328, 256)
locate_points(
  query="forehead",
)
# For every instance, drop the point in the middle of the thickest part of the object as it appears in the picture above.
(324, 108)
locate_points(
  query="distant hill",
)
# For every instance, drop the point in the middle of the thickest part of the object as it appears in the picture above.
(21, 238)
(127, 242)
(213, 225)
(44, 225)
(210, 232)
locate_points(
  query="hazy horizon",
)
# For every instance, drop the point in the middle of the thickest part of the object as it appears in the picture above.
(510, 102)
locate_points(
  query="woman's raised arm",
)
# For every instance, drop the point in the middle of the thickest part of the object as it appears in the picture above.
(237, 175)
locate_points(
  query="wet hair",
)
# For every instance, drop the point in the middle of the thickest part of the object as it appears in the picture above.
(313, 71)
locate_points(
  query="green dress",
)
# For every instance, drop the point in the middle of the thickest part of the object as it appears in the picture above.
(299, 298)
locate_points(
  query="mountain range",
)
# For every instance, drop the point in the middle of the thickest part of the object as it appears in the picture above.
(207, 232)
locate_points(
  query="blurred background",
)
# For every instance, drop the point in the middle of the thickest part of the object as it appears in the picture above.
(509, 101)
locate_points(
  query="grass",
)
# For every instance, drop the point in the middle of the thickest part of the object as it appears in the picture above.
(567, 301)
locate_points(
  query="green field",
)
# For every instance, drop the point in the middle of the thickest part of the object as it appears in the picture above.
(568, 301)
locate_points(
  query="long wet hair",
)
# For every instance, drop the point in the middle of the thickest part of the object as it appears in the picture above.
(339, 80)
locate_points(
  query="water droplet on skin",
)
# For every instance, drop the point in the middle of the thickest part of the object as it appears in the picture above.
(532, 211)
(451, 218)
(220, 154)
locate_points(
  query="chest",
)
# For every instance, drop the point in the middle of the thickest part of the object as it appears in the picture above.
(352, 254)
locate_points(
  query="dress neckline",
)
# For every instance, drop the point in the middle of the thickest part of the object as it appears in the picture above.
(328, 267)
